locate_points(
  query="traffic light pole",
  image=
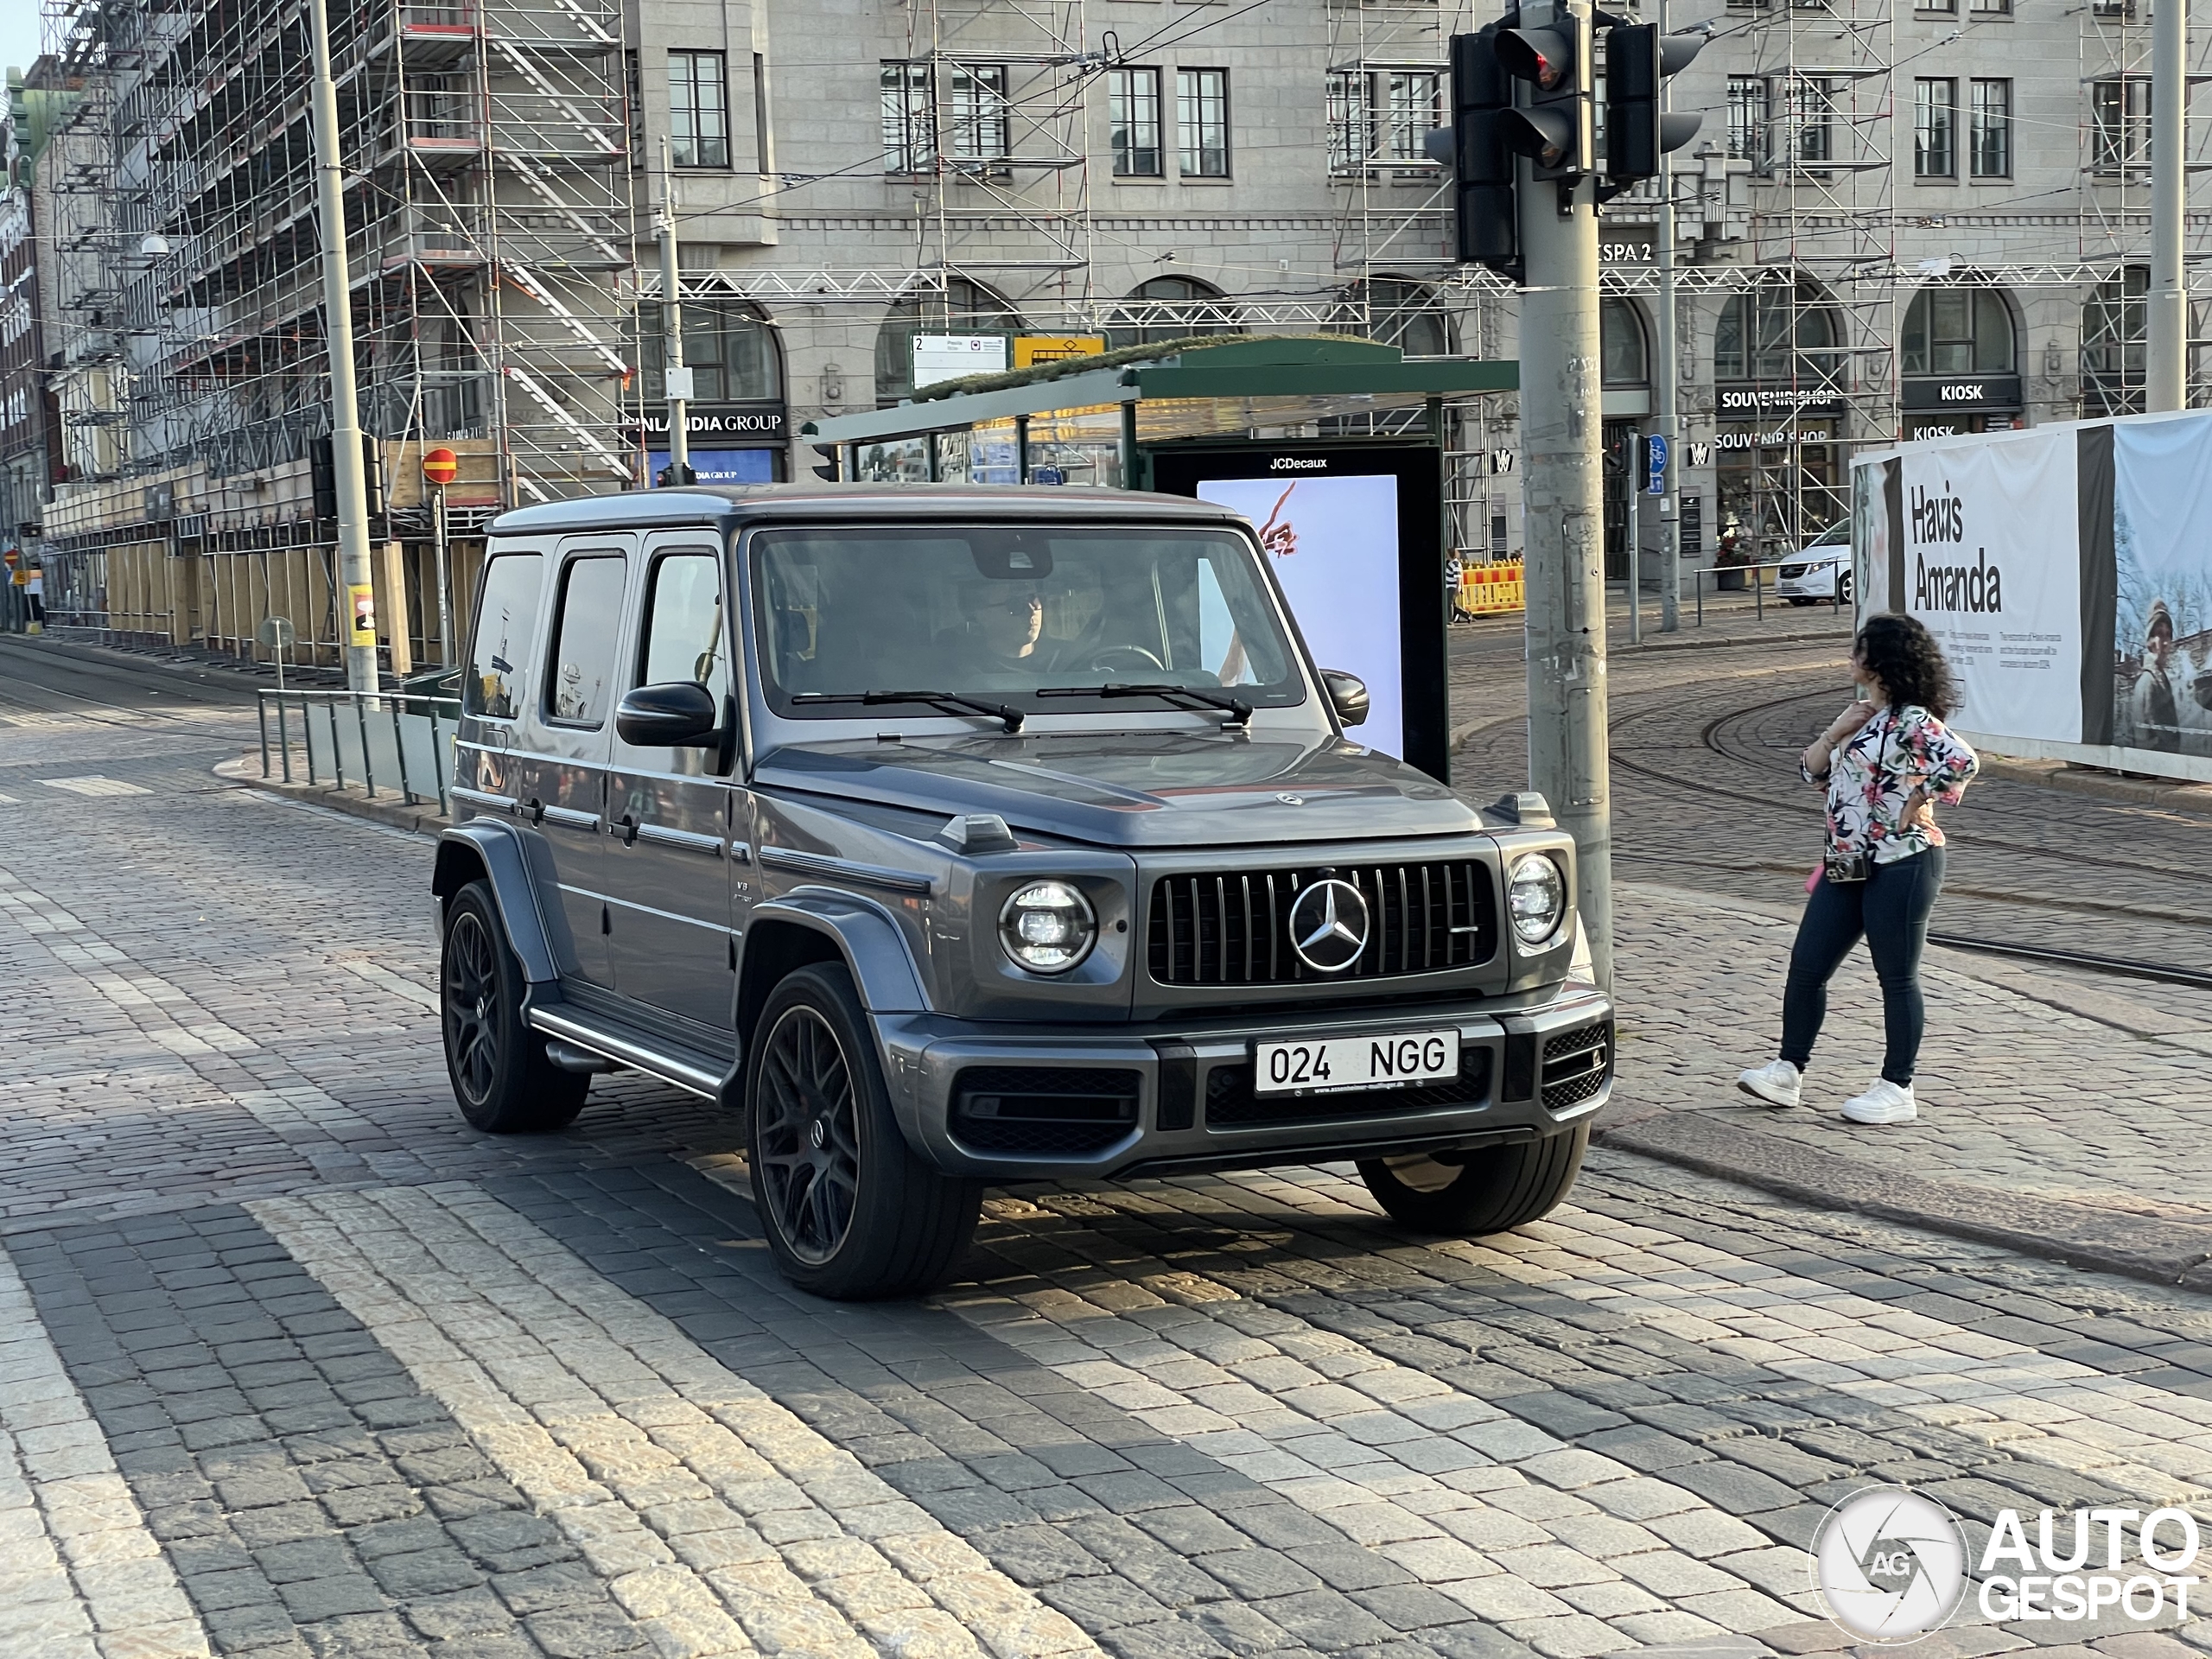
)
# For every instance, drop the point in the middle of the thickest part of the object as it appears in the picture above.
(1665, 379)
(671, 328)
(1563, 493)
(2166, 321)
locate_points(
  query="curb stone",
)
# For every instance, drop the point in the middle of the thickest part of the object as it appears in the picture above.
(424, 820)
(2135, 1246)
(2193, 798)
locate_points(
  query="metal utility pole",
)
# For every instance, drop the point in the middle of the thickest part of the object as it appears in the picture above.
(671, 327)
(2166, 379)
(1634, 538)
(1664, 382)
(358, 622)
(1562, 490)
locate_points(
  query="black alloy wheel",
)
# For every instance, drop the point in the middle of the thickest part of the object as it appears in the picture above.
(808, 1139)
(471, 989)
(849, 1210)
(501, 1077)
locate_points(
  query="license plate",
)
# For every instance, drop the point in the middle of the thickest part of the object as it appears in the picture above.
(1323, 1065)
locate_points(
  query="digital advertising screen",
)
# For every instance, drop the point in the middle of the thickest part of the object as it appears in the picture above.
(1351, 532)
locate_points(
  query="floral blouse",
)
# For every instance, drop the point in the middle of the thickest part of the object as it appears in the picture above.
(1872, 773)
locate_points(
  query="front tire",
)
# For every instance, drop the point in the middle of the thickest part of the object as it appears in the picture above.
(1497, 1189)
(501, 1078)
(850, 1212)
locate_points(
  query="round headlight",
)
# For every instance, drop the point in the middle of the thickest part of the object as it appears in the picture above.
(1047, 927)
(1535, 898)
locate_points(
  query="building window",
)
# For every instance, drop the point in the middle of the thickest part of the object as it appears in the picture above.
(1201, 122)
(1398, 312)
(730, 352)
(1780, 334)
(1957, 331)
(1800, 105)
(2120, 108)
(698, 110)
(1351, 121)
(1990, 138)
(1171, 307)
(1934, 105)
(982, 122)
(964, 308)
(2112, 344)
(1747, 117)
(1132, 107)
(1948, 8)
(909, 134)
(1990, 7)
(1623, 360)
(1382, 117)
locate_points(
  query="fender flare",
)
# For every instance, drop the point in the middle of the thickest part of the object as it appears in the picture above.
(499, 851)
(871, 942)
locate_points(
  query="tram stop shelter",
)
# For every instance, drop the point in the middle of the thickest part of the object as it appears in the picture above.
(1102, 420)
(1333, 447)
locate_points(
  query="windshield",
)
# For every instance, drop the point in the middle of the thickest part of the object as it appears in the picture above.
(1834, 536)
(1002, 613)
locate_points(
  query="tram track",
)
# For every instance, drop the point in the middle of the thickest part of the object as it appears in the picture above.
(2011, 909)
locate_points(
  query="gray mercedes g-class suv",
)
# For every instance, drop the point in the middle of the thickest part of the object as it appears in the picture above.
(962, 836)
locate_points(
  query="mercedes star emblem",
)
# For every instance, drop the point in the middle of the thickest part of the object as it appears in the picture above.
(1328, 925)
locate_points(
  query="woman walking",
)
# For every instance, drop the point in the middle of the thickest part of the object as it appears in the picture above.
(1887, 760)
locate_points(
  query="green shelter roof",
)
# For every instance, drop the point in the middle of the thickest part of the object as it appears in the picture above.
(1330, 374)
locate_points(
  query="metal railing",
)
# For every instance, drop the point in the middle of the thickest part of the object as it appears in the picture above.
(381, 741)
(1759, 588)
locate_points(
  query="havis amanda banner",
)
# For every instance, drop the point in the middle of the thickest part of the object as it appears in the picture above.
(2068, 571)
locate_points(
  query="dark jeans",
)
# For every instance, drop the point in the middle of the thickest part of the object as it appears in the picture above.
(1890, 908)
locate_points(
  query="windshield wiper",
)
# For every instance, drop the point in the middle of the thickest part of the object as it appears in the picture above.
(1238, 710)
(999, 711)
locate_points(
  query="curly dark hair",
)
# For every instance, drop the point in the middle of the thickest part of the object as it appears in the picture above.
(1900, 652)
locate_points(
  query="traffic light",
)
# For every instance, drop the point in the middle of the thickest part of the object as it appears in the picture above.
(1475, 148)
(1638, 60)
(1552, 128)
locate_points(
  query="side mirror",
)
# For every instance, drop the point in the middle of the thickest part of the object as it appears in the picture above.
(678, 714)
(1347, 696)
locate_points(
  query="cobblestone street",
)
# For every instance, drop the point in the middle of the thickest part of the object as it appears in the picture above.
(292, 1363)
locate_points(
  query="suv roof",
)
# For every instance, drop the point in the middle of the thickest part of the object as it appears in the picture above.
(710, 503)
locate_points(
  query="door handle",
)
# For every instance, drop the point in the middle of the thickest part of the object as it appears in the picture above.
(536, 811)
(629, 829)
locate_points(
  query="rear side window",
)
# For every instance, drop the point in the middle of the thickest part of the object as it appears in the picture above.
(505, 622)
(578, 686)
(683, 632)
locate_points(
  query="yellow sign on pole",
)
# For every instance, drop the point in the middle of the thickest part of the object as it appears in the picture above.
(1031, 349)
(361, 600)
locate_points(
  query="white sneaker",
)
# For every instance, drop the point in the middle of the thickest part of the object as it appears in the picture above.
(1885, 1102)
(1776, 1083)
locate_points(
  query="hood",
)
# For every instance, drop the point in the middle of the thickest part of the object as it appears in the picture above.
(1137, 789)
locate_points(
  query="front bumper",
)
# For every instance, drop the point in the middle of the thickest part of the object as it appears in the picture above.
(1174, 1096)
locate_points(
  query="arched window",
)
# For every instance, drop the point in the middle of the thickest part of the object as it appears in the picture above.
(1197, 308)
(730, 349)
(1958, 331)
(1779, 331)
(1402, 314)
(1624, 355)
(2113, 323)
(964, 308)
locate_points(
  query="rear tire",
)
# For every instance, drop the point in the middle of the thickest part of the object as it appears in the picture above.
(851, 1212)
(1498, 1188)
(500, 1077)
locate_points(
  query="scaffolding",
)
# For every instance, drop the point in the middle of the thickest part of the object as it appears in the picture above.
(486, 154)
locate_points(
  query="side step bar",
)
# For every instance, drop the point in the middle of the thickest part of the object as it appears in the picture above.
(685, 1068)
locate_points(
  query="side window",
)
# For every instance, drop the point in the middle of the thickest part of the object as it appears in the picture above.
(506, 621)
(578, 685)
(684, 635)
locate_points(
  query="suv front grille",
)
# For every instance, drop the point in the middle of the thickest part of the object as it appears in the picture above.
(1576, 1066)
(1233, 928)
(1231, 1102)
